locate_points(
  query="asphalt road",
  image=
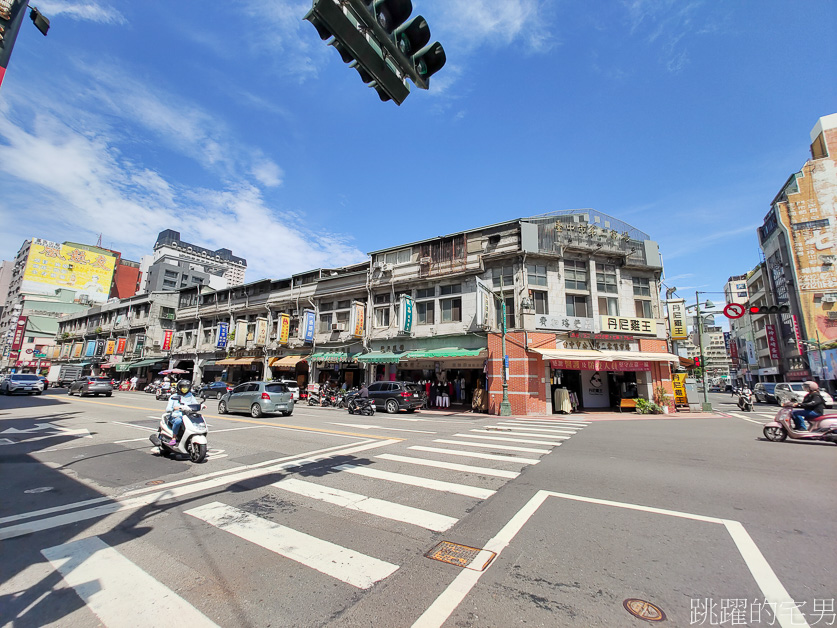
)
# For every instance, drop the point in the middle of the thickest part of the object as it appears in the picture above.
(323, 518)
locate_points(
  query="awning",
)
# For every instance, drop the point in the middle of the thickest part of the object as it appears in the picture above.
(380, 357)
(646, 356)
(687, 363)
(236, 361)
(444, 353)
(287, 362)
(108, 365)
(142, 363)
(573, 354)
(334, 357)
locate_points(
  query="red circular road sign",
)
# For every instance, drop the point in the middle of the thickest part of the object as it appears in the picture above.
(734, 310)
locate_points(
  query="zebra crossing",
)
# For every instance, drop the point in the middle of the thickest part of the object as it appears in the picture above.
(762, 418)
(466, 468)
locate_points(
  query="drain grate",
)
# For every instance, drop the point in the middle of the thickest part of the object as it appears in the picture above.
(460, 555)
(644, 610)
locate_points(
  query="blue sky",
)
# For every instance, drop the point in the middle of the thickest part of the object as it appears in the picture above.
(235, 124)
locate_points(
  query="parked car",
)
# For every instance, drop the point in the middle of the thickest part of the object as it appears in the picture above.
(293, 386)
(395, 396)
(764, 392)
(22, 382)
(91, 385)
(213, 389)
(258, 398)
(794, 392)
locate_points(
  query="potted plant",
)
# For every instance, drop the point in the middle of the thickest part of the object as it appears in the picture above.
(662, 399)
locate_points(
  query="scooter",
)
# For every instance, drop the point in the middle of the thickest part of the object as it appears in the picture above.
(163, 394)
(745, 401)
(360, 405)
(782, 427)
(193, 441)
(313, 397)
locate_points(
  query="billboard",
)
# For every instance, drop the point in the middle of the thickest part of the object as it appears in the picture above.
(829, 364)
(77, 349)
(51, 266)
(484, 301)
(90, 349)
(240, 339)
(167, 336)
(110, 348)
(284, 324)
(677, 319)
(20, 333)
(120, 345)
(261, 331)
(11, 15)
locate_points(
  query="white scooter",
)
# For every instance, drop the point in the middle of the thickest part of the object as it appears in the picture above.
(193, 441)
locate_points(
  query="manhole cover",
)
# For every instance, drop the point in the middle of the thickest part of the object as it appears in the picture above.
(154, 482)
(465, 556)
(644, 610)
(40, 489)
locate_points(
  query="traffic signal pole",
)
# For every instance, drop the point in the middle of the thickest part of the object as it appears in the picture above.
(707, 407)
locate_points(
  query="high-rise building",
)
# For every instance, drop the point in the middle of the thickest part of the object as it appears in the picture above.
(735, 291)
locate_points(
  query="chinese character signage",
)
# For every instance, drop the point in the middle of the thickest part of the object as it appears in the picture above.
(798, 335)
(751, 353)
(240, 339)
(20, 332)
(99, 351)
(90, 349)
(484, 300)
(284, 325)
(563, 323)
(733, 349)
(65, 350)
(261, 332)
(600, 365)
(306, 329)
(51, 266)
(772, 341)
(120, 345)
(78, 347)
(678, 382)
(357, 319)
(221, 335)
(110, 347)
(167, 336)
(677, 319)
(139, 343)
(405, 314)
(627, 325)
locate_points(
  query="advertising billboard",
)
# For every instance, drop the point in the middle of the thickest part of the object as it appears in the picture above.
(120, 345)
(77, 349)
(20, 333)
(167, 336)
(51, 266)
(90, 349)
(405, 314)
(110, 348)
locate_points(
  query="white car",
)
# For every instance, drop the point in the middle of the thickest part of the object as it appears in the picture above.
(795, 393)
(293, 387)
(22, 382)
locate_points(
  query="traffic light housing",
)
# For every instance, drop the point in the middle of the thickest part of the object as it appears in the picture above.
(759, 310)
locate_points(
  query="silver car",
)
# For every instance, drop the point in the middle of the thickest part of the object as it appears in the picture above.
(794, 392)
(22, 382)
(258, 398)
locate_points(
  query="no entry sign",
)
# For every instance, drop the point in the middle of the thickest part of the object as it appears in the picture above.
(734, 310)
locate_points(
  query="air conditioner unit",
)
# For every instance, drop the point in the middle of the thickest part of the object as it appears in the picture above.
(386, 267)
(829, 299)
(338, 327)
(377, 266)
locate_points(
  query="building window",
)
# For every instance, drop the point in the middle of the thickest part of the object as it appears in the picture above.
(380, 299)
(608, 306)
(451, 310)
(537, 274)
(498, 310)
(577, 306)
(540, 299)
(327, 307)
(643, 308)
(506, 272)
(325, 323)
(402, 256)
(344, 305)
(451, 289)
(426, 293)
(382, 316)
(425, 312)
(642, 287)
(575, 275)
(606, 278)
(343, 317)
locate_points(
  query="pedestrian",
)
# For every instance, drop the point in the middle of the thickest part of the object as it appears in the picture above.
(134, 382)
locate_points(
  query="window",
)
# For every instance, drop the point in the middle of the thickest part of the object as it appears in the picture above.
(445, 250)
(402, 256)
(425, 312)
(498, 310)
(608, 306)
(455, 288)
(325, 323)
(344, 305)
(537, 274)
(343, 317)
(606, 278)
(426, 293)
(575, 275)
(643, 308)
(451, 310)
(382, 316)
(540, 299)
(506, 272)
(577, 306)
(381, 299)
(642, 287)
(377, 387)
(327, 307)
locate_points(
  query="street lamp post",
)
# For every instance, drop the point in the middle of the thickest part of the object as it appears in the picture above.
(505, 404)
(707, 407)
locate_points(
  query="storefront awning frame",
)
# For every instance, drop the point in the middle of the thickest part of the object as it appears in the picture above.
(287, 361)
(452, 352)
(606, 356)
(236, 361)
(381, 357)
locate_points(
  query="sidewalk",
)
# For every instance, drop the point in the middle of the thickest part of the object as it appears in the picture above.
(578, 416)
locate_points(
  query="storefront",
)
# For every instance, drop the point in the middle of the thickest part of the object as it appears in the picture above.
(293, 367)
(242, 369)
(452, 374)
(336, 368)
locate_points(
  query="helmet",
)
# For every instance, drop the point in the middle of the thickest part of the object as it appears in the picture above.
(184, 386)
(812, 386)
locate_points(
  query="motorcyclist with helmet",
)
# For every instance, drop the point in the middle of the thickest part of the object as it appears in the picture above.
(179, 401)
(811, 407)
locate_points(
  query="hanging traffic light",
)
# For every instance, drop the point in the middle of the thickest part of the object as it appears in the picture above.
(768, 309)
(11, 16)
(39, 20)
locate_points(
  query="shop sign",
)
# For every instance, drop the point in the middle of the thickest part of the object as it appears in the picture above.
(20, 332)
(120, 345)
(284, 328)
(90, 350)
(484, 300)
(733, 349)
(773, 370)
(583, 335)
(167, 336)
(799, 374)
(358, 315)
(677, 319)
(110, 347)
(600, 365)
(139, 343)
(100, 348)
(65, 349)
(418, 365)
(726, 341)
(751, 353)
(628, 325)
(571, 323)
(405, 314)
(221, 335)
(240, 334)
(772, 341)
(306, 330)
(77, 349)
(678, 382)
(261, 331)
(798, 335)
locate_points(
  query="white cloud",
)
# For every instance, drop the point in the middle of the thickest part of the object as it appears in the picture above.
(82, 11)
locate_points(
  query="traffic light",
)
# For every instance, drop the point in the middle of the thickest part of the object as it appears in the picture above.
(768, 309)
(39, 20)
(377, 38)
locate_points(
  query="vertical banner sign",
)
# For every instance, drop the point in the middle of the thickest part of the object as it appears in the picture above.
(800, 347)
(20, 333)
(677, 319)
(484, 300)
(110, 347)
(120, 345)
(221, 335)
(357, 319)
(726, 341)
(90, 349)
(284, 325)
(733, 350)
(167, 336)
(261, 332)
(100, 348)
(405, 314)
(772, 341)
(240, 339)
(77, 348)
(309, 320)
(11, 15)
(751, 353)
(65, 349)
(139, 343)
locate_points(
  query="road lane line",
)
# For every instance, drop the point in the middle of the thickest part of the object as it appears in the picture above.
(115, 589)
(547, 424)
(369, 505)
(474, 454)
(349, 566)
(491, 446)
(138, 427)
(738, 416)
(414, 480)
(453, 466)
(552, 421)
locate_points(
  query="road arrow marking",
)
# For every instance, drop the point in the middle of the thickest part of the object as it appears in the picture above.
(378, 427)
(38, 427)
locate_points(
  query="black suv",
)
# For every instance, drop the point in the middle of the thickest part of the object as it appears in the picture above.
(213, 389)
(764, 391)
(395, 396)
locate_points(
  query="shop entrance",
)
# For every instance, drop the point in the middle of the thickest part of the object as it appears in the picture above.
(588, 389)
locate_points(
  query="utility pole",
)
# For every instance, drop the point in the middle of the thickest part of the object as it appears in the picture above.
(505, 405)
(707, 407)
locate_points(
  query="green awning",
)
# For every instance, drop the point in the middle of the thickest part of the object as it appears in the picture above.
(142, 363)
(333, 357)
(444, 353)
(380, 357)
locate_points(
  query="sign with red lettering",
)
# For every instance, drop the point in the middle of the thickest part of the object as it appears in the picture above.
(20, 332)
(600, 365)
(772, 341)
(120, 346)
(167, 335)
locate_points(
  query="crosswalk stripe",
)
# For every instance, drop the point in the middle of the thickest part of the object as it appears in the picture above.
(769, 416)
(739, 416)
(115, 589)
(552, 421)
(490, 446)
(556, 424)
(453, 466)
(508, 431)
(349, 566)
(474, 454)
(508, 439)
(546, 430)
(369, 505)
(414, 480)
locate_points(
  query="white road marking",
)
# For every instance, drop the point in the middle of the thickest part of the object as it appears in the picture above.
(546, 430)
(137, 427)
(552, 421)
(474, 454)
(516, 433)
(117, 591)
(739, 416)
(510, 440)
(490, 446)
(414, 480)
(80, 433)
(552, 424)
(378, 427)
(453, 466)
(369, 505)
(236, 429)
(129, 440)
(351, 567)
